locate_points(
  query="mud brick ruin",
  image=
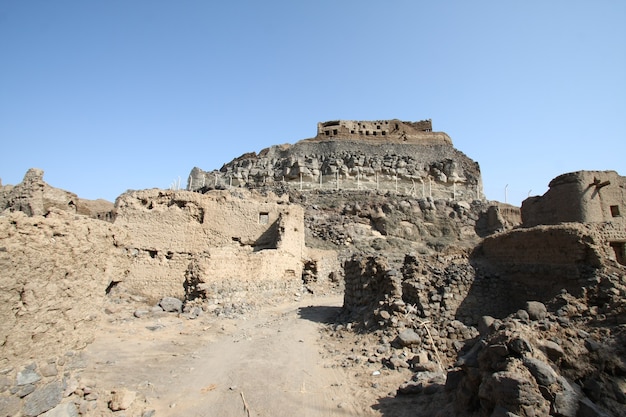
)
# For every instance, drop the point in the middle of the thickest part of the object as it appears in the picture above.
(497, 309)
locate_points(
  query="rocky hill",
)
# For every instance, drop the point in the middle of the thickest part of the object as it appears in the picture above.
(422, 164)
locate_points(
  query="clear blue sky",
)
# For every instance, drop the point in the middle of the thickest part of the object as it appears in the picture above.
(107, 96)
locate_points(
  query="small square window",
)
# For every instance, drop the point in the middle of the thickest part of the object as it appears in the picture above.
(615, 211)
(264, 218)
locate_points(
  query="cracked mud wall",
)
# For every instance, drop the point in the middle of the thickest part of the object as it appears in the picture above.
(54, 272)
(242, 239)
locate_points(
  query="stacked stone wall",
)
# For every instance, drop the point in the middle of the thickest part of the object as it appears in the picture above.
(368, 281)
(450, 294)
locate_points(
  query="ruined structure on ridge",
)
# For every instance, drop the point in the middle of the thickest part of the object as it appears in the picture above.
(385, 155)
(382, 129)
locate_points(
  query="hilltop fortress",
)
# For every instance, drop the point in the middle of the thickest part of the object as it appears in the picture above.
(390, 130)
(386, 155)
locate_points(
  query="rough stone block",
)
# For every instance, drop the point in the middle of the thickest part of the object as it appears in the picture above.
(122, 399)
(43, 399)
(62, 410)
(27, 376)
(171, 304)
(408, 337)
(536, 310)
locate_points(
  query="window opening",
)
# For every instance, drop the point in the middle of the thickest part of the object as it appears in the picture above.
(615, 211)
(620, 251)
(264, 218)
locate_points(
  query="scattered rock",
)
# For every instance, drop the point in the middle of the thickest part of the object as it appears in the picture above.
(139, 313)
(552, 350)
(520, 346)
(536, 310)
(62, 410)
(513, 392)
(171, 304)
(485, 325)
(121, 399)
(23, 390)
(543, 373)
(523, 315)
(43, 399)
(408, 337)
(9, 405)
(27, 376)
(5, 383)
(48, 370)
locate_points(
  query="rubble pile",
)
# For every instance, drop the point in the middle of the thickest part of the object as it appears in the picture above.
(564, 357)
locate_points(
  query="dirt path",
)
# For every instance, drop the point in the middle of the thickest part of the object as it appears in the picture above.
(268, 364)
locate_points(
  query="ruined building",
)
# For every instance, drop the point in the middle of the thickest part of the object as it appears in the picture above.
(391, 129)
(596, 198)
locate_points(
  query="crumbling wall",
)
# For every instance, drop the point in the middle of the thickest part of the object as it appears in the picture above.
(35, 197)
(452, 292)
(497, 218)
(54, 274)
(582, 196)
(480, 343)
(369, 281)
(241, 237)
(385, 129)
(322, 271)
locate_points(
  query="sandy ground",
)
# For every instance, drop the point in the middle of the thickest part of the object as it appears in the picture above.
(273, 362)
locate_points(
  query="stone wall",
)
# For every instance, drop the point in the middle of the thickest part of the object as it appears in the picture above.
(452, 292)
(540, 262)
(426, 295)
(241, 236)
